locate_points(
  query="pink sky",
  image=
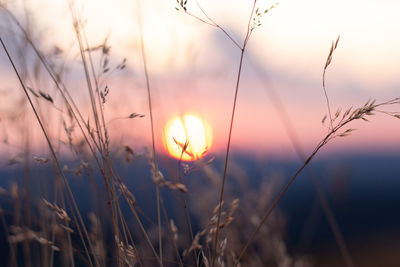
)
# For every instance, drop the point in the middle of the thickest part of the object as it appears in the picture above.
(193, 69)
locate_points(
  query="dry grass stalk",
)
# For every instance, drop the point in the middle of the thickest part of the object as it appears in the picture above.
(358, 114)
(55, 159)
(99, 142)
(61, 213)
(155, 171)
(327, 63)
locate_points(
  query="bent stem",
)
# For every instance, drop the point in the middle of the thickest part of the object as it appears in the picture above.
(293, 136)
(348, 117)
(214, 24)
(185, 202)
(327, 63)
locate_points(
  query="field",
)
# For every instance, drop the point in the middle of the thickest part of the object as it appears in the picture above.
(199, 133)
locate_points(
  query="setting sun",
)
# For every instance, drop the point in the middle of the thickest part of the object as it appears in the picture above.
(187, 137)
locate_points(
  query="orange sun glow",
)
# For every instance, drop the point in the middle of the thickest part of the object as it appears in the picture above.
(188, 137)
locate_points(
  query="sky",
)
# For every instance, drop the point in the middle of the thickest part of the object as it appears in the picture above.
(193, 68)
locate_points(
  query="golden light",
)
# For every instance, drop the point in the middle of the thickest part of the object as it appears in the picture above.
(188, 137)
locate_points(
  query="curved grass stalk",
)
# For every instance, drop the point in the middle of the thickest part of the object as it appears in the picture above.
(79, 119)
(294, 139)
(57, 163)
(347, 118)
(93, 102)
(242, 48)
(327, 63)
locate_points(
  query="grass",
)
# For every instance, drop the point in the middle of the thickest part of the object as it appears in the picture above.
(225, 233)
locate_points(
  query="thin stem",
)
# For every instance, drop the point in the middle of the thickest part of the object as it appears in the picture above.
(221, 196)
(59, 85)
(94, 104)
(77, 26)
(200, 19)
(170, 231)
(159, 223)
(293, 136)
(97, 92)
(69, 240)
(74, 110)
(127, 234)
(327, 63)
(131, 204)
(55, 159)
(356, 115)
(282, 193)
(213, 23)
(327, 99)
(333, 223)
(185, 206)
(154, 167)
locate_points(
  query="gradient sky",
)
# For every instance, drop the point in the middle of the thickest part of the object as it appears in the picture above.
(193, 67)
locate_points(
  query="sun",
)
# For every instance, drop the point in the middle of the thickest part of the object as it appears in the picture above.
(187, 137)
